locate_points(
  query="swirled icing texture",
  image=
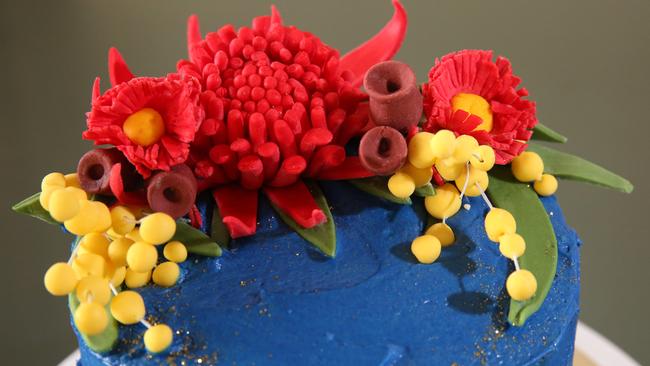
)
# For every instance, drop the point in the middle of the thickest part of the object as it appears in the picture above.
(273, 300)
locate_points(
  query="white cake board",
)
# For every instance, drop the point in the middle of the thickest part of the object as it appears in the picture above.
(591, 349)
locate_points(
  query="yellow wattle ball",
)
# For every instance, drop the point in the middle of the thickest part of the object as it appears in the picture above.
(465, 146)
(475, 176)
(134, 235)
(118, 276)
(476, 105)
(547, 186)
(175, 251)
(136, 279)
(144, 127)
(442, 144)
(420, 154)
(63, 204)
(93, 216)
(166, 274)
(95, 243)
(499, 222)
(521, 285)
(485, 160)
(123, 221)
(89, 264)
(443, 232)
(127, 307)
(46, 193)
(53, 180)
(157, 228)
(448, 169)
(141, 257)
(512, 245)
(93, 289)
(527, 167)
(426, 248)
(60, 279)
(158, 338)
(90, 318)
(72, 180)
(117, 250)
(445, 203)
(401, 185)
(420, 176)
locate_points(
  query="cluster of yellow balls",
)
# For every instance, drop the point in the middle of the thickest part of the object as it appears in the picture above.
(117, 246)
(529, 167)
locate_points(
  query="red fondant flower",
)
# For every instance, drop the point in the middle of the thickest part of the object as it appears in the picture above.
(469, 93)
(168, 107)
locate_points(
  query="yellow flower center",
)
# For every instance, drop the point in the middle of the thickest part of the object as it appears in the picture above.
(144, 127)
(476, 105)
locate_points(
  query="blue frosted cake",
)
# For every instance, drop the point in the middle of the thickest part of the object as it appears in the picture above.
(258, 206)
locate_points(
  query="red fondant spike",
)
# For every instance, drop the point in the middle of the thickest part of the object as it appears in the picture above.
(353, 125)
(297, 202)
(193, 35)
(437, 178)
(195, 217)
(252, 172)
(312, 139)
(284, 138)
(326, 157)
(257, 128)
(118, 71)
(289, 172)
(238, 208)
(276, 18)
(117, 187)
(383, 46)
(218, 177)
(235, 124)
(96, 91)
(351, 168)
(221, 154)
(269, 153)
(241, 147)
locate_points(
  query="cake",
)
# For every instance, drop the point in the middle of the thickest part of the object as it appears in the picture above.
(258, 207)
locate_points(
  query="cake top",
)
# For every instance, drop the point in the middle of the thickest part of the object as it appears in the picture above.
(271, 109)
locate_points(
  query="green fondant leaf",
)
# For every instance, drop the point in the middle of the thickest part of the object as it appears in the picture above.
(104, 341)
(32, 206)
(378, 186)
(196, 241)
(322, 236)
(534, 224)
(545, 133)
(219, 233)
(425, 191)
(571, 167)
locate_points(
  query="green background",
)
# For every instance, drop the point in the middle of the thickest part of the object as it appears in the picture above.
(584, 62)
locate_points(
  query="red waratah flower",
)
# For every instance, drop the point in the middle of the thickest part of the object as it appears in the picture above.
(151, 120)
(469, 93)
(279, 106)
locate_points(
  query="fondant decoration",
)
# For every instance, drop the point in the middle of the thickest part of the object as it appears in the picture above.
(158, 338)
(378, 186)
(172, 192)
(571, 167)
(31, 206)
(395, 98)
(166, 274)
(196, 242)
(296, 202)
(382, 150)
(534, 225)
(544, 133)
(102, 342)
(238, 208)
(322, 236)
(425, 191)
(426, 248)
(546, 186)
(118, 70)
(528, 167)
(470, 94)
(126, 185)
(401, 185)
(94, 170)
(175, 251)
(127, 307)
(219, 232)
(443, 232)
(60, 279)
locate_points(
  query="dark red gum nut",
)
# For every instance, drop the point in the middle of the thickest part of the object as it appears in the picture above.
(383, 150)
(395, 98)
(172, 192)
(94, 169)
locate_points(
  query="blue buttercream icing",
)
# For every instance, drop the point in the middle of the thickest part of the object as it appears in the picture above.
(274, 300)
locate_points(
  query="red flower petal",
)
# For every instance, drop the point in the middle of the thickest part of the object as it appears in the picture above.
(118, 71)
(383, 46)
(351, 168)
(297, 202)
(238, 208)
(117, 187)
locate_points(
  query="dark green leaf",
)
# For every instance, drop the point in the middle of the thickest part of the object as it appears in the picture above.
(104, 341)
(32, 206)
(571, 167)
(196, 241)
(322, 236)
(544, 133)
(219, 233)
(378, 186)
(535, 226)
(425, 191)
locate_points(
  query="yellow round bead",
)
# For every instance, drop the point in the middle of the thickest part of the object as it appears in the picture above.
(135, 279)
(72, 180)
(420, 154)
(475, 176)
(123, 221)
(166, 274)
(442, 144)
(141, 257)
(476, 105)
(46, 193)
(127, 307)
(528, 167)
(117, 250)
(118, 276)
(512, 245)
(521, 285)
(157, 228)
(448, 169)
(465, 146)
(79, 193)
(90, 318)
(53, 180)
(95, 243)
(89, 264)
(420, 176)
(499, 222)
(175, 251)
(401, 185)
(158, 338)
(485, 160)
(102, 215)
(60, 279)
(445, 203)
(93, 216)
(134, 235)
(443, 232)
(426, 248)
(144, 127)
(93, 289)
(546, 186)
(63, 204)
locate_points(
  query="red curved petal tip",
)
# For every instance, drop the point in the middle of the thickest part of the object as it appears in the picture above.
(238, 209)
(118, 71)
(193, 33)
(383, 46)
(351, 168)
(237, 228)
(276, 18)
(96, 90)
(297, 202)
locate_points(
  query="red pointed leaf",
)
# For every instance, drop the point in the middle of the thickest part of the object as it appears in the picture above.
(297, 202)
(193, 33)
(118, 71)
(238, 208)
(96, 90)
(351, 168)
